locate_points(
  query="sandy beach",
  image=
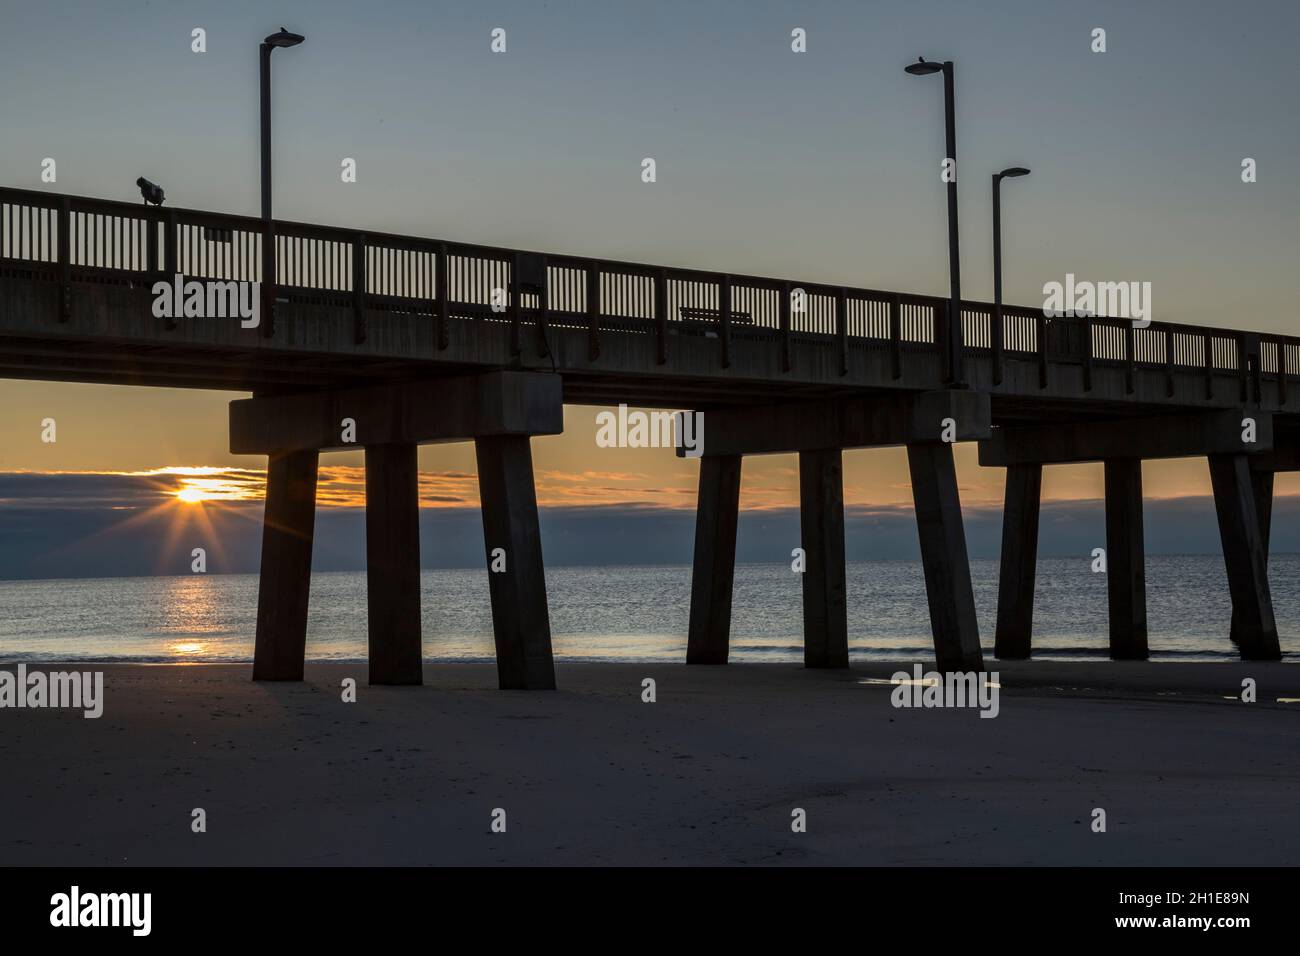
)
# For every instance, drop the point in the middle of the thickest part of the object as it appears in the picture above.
(708, 774)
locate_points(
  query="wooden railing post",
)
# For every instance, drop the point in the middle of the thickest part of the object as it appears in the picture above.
(171, 264)
(724, 318)
(842, 328)
(359, 288)
(995, 341)
(895, 337)
(783, 314)
(593, 312)
(1169, 361)
(1280, 345)
(516, 302)
(152, 221)
(268, 278)
(1085, 325)
(65, 259)
(1243, 365)
(170, 267)
(1129, 346)
(1042, 350)
(441, 316)
(1255, 356)
(941, 338)
(1209, 365)
(544, 312)
(661, 316)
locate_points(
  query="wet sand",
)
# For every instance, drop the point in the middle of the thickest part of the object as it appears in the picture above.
(288, 774)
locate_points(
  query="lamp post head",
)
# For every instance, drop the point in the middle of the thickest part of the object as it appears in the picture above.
(283, 39)
(922, 67)
(1012, 171)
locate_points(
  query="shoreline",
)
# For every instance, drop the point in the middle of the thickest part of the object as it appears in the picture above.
(1193, 676)
(877, 658)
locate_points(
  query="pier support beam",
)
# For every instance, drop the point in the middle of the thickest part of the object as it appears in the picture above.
(1126, 559)
(714, 571)
(1019, 561)
(1245, 556)
(521, 620)
(1261, 482)
(926, 423)
(943, 554)
(500, 411)
(288, 527)
(393, 563)
(1123, 444)
(821, 523)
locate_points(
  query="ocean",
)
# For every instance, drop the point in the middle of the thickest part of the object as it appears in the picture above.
(622, 613)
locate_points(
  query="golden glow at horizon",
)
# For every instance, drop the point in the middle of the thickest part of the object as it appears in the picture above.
(198, 485)
(874, 480)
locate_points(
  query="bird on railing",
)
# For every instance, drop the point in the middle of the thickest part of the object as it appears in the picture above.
(152, 192)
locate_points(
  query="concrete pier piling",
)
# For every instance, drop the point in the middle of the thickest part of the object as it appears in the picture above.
(1016, 571)
(821, 525)
(499, 411)
(288, 527)
(393, 564)
(1126, 580)
(1242, 461)
(944, 558)
(1245, 556)
(714, 568)
(927, 423)
(517, 579)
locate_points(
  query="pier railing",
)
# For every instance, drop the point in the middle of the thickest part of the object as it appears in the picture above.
(71, 239)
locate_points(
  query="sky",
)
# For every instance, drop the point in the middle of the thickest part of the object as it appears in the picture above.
(816, 166)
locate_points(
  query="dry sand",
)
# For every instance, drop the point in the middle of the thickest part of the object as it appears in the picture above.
(288, 774)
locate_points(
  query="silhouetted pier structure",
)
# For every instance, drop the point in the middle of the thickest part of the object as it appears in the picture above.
(418, 340)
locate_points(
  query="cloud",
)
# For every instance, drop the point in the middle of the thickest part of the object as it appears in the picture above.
(126, 490)
(91, 524)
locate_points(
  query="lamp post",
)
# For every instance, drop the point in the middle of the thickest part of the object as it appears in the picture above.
(995, 332)
(922, 67)
(276, 40)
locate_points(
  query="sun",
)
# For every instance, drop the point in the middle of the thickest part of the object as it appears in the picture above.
(191, 496)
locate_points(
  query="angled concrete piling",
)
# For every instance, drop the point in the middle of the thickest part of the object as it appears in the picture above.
(1245, 557)
(516, 579)
(288, 529)
(714, 568)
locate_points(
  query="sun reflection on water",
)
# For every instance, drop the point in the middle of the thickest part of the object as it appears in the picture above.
(190, 611)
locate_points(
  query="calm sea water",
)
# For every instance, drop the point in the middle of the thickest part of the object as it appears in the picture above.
(619, 614)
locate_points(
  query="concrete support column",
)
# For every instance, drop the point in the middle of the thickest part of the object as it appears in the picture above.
(1262, 484)
(1245, 555)
(288, 526)
(713, 575)
(943, 554)
(1126, 559)
(821, 523)
(1019, 561)
(393, 563)
(521, 620)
